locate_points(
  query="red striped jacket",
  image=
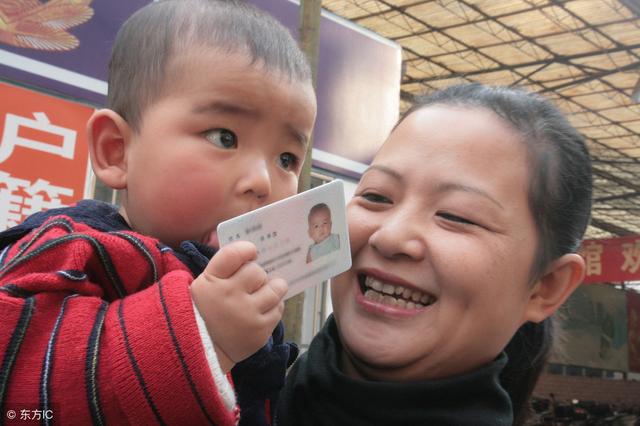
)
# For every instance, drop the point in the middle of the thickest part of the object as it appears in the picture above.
(98, 327)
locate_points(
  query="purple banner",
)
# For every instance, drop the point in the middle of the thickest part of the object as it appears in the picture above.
(80, 72)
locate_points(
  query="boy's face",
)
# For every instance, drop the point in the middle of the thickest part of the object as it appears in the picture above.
(226, 137)
(320, 225)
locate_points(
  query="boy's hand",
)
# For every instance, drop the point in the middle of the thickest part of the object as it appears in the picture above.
(237, 301)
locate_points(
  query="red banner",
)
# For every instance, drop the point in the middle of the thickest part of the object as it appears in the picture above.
(43, 153)
(612, 259)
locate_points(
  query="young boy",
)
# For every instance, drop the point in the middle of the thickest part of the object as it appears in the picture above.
(324, 242)
(210, 109)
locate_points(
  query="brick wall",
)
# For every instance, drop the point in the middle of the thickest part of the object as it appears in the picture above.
(566, 388)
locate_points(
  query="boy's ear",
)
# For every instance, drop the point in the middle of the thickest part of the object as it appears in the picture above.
(109, 136)
(562, 277)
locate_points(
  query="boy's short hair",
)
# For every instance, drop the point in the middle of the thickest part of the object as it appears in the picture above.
(151, 36)
(317, 208)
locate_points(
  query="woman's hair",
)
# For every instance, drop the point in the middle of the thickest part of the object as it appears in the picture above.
(559, 197)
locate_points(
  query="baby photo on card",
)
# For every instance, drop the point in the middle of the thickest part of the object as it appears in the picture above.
(320, 231)
(302, 239)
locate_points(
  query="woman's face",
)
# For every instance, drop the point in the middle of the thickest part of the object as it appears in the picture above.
(442, 241)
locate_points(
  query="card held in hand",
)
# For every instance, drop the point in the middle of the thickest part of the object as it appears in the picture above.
(303, 239)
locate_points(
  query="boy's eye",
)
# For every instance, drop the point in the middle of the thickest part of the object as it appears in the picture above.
(454, 218)
(288, 161)
(222, 138)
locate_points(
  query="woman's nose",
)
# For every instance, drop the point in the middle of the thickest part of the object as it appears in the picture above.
(400, 236)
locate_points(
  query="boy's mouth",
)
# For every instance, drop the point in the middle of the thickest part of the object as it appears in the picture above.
(393, 295)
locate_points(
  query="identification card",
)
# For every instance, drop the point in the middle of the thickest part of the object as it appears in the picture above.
(303, 239)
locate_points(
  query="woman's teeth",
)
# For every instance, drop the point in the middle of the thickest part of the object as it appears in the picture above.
(396, 296)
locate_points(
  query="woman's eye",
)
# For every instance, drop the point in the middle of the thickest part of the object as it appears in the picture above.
(375, 198)
(222, 138)
(454, 218)
(288, 161)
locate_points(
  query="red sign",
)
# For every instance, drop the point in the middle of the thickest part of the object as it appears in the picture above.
(43, 153)
(612, 259)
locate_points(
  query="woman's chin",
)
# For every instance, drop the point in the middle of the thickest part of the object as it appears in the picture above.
(380, 363)
(376, 351)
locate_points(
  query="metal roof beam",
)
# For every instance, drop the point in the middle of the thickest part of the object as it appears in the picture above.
(564, 59)
(617, 197)
(610, 227)
(591, 77)
(616, 179)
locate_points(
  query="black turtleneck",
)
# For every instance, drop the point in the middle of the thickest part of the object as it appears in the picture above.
(318, 393)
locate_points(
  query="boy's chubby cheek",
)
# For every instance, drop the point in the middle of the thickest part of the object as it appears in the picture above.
(289, 189)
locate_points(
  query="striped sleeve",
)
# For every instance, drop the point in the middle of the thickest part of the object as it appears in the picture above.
(98, 328)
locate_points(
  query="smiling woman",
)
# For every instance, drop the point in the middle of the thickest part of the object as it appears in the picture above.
(463, 235)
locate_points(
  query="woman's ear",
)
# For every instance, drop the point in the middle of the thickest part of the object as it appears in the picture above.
(562, 277)
(109, 137)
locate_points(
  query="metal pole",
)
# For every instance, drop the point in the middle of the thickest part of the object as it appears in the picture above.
(309, 41)
(309, 31)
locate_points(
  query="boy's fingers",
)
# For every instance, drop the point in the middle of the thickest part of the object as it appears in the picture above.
(230, 258)
(274, 315)
(279, 287)
(250, 277)
(271, 294)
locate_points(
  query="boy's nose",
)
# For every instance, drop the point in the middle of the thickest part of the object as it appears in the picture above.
(255, 180)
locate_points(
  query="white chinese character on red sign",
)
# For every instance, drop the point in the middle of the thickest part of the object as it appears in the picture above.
(10, 202)
(19, 198)
(592, 254)
(11, 137)
(631, 253)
